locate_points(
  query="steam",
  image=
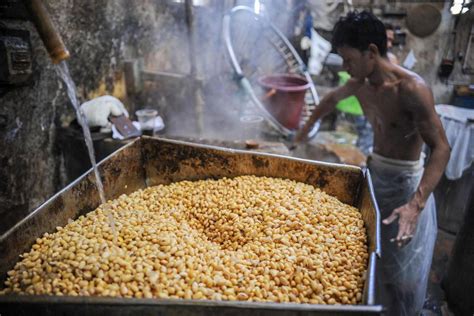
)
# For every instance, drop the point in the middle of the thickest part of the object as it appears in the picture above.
(226, 107)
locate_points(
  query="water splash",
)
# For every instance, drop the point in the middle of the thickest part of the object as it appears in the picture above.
(63, 72)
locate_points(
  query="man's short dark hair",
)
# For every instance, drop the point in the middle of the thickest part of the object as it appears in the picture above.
(359, 30)
(389, 27)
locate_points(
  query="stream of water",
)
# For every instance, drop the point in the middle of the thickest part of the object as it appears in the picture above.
(63, 72)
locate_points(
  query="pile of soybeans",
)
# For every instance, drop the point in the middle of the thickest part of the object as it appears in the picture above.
(248, 238)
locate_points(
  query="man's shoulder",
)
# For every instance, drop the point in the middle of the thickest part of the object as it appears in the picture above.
(411, 83)
(414, 91)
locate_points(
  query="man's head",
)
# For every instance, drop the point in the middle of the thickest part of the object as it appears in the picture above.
(360, 39)
(390, 32)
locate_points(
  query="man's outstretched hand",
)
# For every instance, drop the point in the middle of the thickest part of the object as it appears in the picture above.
(407, 220)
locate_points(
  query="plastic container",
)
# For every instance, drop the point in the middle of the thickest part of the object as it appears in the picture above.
(284, 97)
(146, 118)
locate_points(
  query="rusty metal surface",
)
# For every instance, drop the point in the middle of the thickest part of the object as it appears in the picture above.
(371, 216)
(39, 305)
(121, 173)
(149, 161)
(172, 161)
(367, 204)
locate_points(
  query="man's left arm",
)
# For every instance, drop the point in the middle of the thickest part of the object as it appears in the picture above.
(418, 100)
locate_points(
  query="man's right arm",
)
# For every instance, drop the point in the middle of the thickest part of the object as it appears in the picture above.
(326, 106)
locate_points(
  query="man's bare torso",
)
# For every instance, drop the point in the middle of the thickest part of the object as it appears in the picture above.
(395, 133)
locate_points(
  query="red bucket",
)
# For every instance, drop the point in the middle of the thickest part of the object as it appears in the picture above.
(285, 97)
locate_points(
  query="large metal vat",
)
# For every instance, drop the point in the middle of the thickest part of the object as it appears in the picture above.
(150, 161)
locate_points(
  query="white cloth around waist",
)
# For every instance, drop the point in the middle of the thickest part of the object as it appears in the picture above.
(404, 271)
(396, 165)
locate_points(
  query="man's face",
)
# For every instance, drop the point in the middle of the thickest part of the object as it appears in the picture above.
(358, 64)
(390, 38)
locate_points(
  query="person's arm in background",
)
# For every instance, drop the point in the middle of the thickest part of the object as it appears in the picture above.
(418, 100)
(326, 106)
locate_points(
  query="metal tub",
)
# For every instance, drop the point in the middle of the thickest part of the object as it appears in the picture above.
(149, 161)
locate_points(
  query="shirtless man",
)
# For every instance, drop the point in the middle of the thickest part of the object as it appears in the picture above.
(400, 107)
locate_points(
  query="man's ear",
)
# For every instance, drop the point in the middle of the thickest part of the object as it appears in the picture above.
(373, 50)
